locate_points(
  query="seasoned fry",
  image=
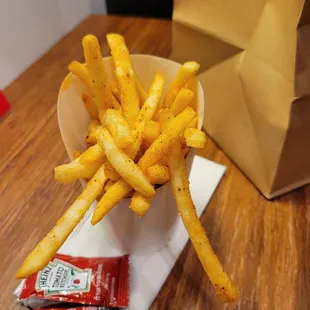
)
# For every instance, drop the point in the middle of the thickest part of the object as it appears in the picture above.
(80, 71)
(165, 116)
(146, 114)
(158, 174)
(84, 167)
(157, 150)
(195, 138)
(182, 100)
(100, 86)
(161, 145)
(124, 166)
(139, 204)
(141, 91)
(92, 128)
(90, 105)
(48, 247)
(114, 194)
(151, 133)
(125, 77)
(222, 283)
(185, 73)
(118, 127)
(73, 171)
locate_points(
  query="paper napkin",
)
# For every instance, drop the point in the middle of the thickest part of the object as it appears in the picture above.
(149, 271)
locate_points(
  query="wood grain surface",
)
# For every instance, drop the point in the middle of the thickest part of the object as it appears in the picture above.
(264, 245)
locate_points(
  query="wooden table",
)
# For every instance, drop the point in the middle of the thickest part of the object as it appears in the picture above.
(264, 246)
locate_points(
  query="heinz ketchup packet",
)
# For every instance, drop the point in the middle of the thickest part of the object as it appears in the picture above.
(98, 281)
(77, 308)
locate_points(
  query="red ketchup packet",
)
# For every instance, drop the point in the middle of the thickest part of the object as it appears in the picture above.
(77, 308)
(97, 281)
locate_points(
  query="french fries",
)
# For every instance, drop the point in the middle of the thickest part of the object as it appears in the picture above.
(49, 245)
(158, 174)
(139, 204)
(146, 114)
(129, 151)
(161, 145)
(222, 283)
(118, 127)
(186, 72)
(125, 77)
(83, 167)
(141, 91)
(90, 105)
(80, 71)
(153, 154)
(182, 100)
(100, 86)
(124, 166)
(195, 138)
(151, 133)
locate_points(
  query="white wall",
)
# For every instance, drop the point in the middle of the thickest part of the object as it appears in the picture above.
(28, 28)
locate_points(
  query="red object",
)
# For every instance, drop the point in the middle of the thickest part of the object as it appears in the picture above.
(99, 281)
(76, 308)
(4, 105)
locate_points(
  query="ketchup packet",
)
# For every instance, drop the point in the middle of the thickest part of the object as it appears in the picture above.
(99, 281)
(78, 308)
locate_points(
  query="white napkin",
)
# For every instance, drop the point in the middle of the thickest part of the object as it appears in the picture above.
(148, 272)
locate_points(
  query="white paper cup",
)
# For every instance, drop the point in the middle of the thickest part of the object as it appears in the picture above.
(123, 229)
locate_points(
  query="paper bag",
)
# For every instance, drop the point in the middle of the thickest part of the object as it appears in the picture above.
(255, 57)
(121, 227)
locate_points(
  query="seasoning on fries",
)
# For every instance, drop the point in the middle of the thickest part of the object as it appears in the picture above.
(135, 144)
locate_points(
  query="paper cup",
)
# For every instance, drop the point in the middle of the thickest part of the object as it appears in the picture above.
(122, 228)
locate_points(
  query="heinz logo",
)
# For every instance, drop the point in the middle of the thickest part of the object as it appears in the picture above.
(60, 277)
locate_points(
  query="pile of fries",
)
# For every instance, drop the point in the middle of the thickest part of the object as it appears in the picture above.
(137, 140)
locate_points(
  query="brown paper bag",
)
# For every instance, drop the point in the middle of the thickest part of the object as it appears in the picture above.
(255, 70)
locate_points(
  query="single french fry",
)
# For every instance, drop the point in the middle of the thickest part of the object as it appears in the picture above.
(164, 117)
(185, 73)
(100, 85)
(125, 77)
(112, 196)
(182, 100)
(80, 71)
(161, 145)
(151, 133)
(124, 165)
(90, 105)
(141, 91)
(195, 138)
(139, 204)
(146, 114)
(157, 150)
(222, 283)
(76, 154)
(118, 127)
(73, 171)
(158, 174)
(84, 167)
(47, 247)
